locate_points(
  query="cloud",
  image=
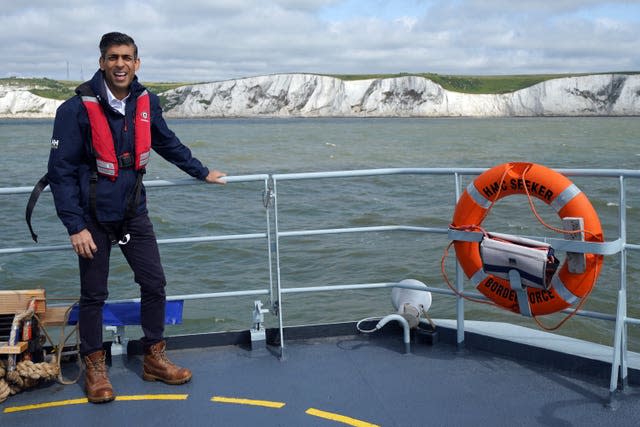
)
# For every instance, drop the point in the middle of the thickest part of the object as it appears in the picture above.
(201, 40)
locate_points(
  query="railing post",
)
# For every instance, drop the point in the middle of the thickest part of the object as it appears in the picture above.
(276, 249)
(267, 202)
(618, 350)
(619, 369)
(459, 285)
(623, 279)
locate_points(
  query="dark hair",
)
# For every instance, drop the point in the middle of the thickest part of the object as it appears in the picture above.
(116, 39)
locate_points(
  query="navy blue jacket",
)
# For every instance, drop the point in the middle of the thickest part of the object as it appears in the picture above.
(70, 160)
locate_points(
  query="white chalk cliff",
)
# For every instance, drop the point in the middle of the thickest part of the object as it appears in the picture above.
(18, 102)
(309, 95)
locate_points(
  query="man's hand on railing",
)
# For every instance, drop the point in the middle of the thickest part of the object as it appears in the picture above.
(216, 177)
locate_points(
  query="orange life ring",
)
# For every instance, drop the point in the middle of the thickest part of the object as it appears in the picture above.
(555, 190)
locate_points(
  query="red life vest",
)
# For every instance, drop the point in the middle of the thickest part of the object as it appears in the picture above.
(102, 140)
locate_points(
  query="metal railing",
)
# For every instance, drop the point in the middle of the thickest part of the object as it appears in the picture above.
(273, 235)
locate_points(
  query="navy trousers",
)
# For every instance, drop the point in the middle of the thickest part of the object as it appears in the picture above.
(143, 256)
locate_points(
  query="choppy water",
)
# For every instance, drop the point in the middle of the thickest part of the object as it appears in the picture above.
(250, 146)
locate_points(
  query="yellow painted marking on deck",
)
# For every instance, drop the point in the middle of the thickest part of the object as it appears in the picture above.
(266, 403)
(339, 418)
(46, 405)
(84, 400)
(220, 399)
(154, 397)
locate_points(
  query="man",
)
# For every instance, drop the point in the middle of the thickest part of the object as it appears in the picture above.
(100, 145)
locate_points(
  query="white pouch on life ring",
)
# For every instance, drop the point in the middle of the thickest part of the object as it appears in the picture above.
(532, 259)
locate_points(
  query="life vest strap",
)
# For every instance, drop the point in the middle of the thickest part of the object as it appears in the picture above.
(33, 199)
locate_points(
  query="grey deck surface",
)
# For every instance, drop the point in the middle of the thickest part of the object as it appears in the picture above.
(359, 380)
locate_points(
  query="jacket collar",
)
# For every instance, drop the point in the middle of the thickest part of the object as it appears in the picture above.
(98, 86)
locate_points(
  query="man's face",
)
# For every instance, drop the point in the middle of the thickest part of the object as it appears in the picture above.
(119, 65)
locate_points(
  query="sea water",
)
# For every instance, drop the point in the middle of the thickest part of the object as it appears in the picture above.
(257, 146)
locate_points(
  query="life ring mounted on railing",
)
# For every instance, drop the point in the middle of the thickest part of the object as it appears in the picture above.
(557, 191)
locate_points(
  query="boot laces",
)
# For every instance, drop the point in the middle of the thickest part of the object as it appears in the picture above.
(98, 366)
(161, 355)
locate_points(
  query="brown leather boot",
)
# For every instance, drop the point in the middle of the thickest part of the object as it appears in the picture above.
(157, 366)
(96, 382)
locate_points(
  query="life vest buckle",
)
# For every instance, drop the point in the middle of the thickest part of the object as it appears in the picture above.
(125, 160)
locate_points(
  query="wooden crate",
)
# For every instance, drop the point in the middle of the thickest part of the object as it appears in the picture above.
(13, 302)
(54, 316)
(13, 349)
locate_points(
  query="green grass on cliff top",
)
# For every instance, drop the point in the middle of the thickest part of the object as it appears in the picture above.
(479, 84)
(63, 89)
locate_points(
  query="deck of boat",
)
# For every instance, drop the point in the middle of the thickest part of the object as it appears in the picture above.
(332, 376)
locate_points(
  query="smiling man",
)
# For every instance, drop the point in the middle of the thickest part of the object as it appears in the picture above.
(103, 140)
(119, 65)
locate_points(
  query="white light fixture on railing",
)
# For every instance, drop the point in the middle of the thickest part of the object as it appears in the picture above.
(411, 302)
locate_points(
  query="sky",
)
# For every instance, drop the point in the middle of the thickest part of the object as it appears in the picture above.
(204, 41)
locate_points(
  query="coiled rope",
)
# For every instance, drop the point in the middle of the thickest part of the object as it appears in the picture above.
(28, 374)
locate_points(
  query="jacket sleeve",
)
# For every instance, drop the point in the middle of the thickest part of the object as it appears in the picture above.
(167, 144)
(65, 162)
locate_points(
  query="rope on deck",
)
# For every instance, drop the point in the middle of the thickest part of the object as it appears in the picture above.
(26, 375)
(16, 377)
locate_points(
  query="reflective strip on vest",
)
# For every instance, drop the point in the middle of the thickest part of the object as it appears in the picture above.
(106, 168)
